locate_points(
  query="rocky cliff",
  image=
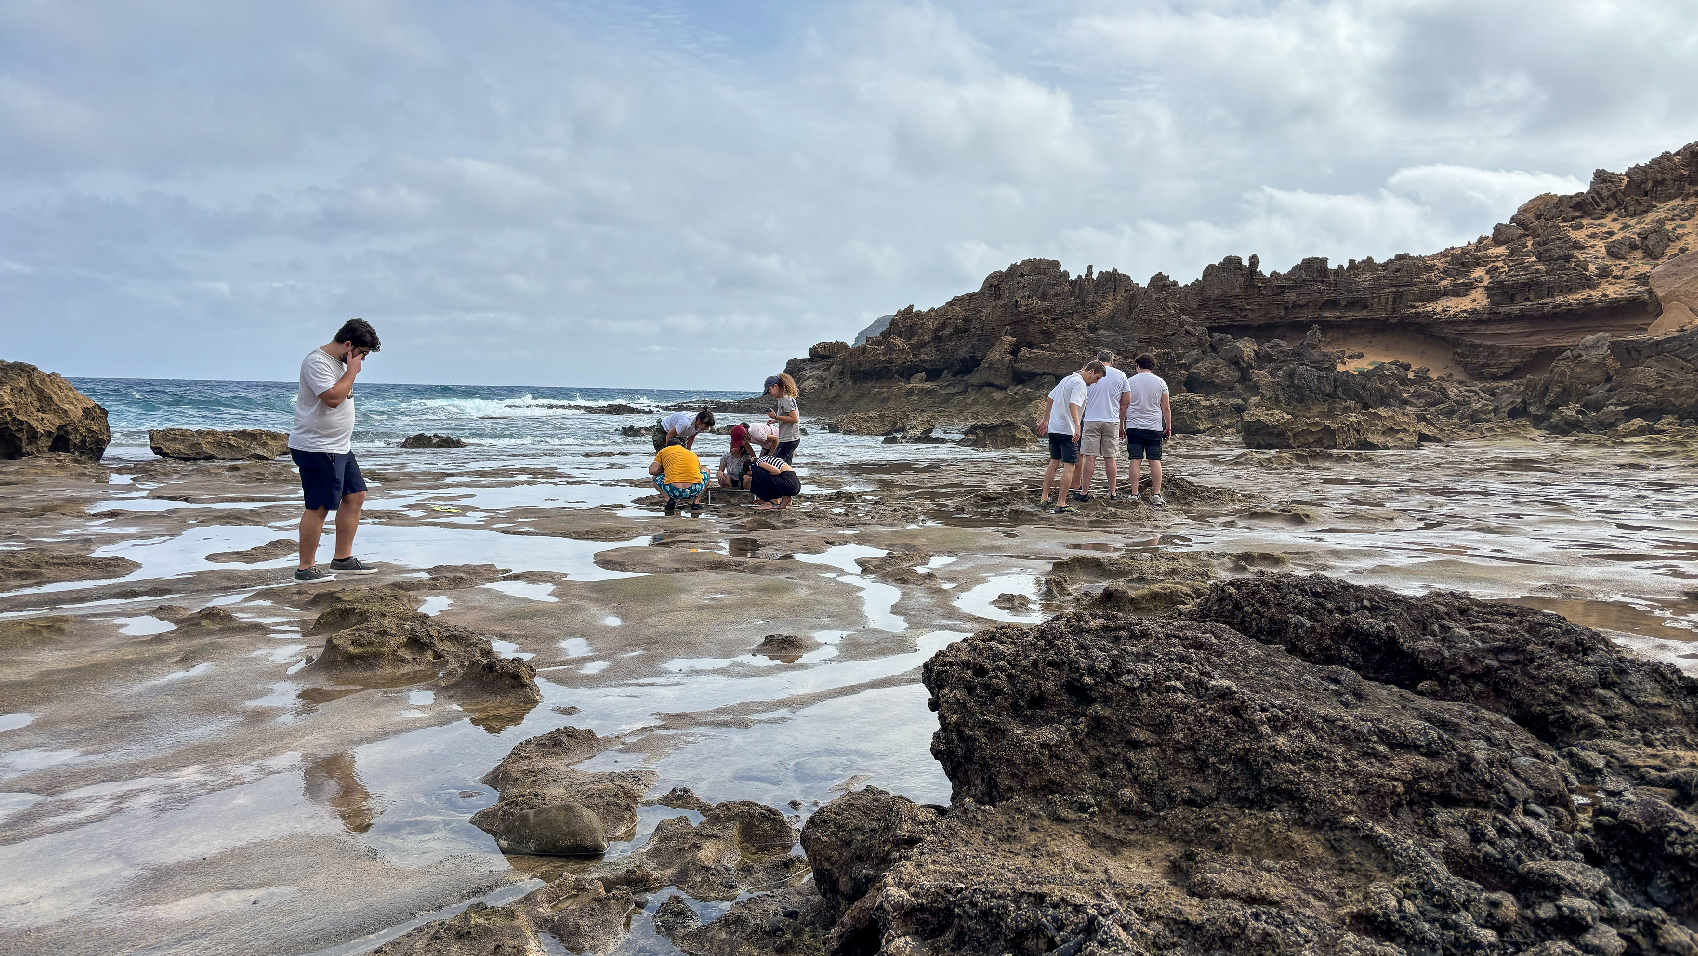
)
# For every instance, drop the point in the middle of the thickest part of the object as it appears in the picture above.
(41, 413)
(1614, 260)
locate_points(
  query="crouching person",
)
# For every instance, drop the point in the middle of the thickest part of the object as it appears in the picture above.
(678, 474)
(775, 482)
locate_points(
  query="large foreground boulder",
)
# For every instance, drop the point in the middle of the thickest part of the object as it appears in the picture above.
(1368, 429)
(1355, 772)
(548, 807)
(210, 444)
(42, 413)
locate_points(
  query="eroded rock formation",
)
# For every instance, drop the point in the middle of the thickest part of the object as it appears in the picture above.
(41, 413)
(1614, 260)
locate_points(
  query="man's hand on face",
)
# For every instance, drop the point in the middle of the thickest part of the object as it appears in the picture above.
(356, 358)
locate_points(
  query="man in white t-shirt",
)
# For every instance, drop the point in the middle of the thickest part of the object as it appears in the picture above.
(1149, 419)
(321, 445)
(684, 426)
(1105, 427)
(1061, 421)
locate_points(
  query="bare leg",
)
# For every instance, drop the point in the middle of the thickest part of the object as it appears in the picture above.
(347, 522)
(1087, 470)
(1113, 484)
(312, 526)
(1049, 478)
(1067, 472)
(1155, 477)
(1134, 475)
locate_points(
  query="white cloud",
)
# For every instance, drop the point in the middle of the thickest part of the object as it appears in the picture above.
(537, 194)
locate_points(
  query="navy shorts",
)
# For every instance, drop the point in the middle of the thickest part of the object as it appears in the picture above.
(787, 450)
(326, 477)
(1063, 448)
(1143, 443)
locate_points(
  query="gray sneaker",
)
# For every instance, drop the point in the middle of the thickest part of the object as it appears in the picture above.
(310, 575)
(351, 565)
(1156, 501)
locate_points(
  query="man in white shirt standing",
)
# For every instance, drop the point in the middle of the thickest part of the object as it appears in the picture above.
(1149, 419)
(321, 444)
(1061, 421)
(1105, 428)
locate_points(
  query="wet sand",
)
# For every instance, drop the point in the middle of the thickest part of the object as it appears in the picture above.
(177, 780)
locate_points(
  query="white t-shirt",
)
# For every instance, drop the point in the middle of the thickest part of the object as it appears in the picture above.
(1064, 396)
(318, 427)
(681, 424)
(1102, 400)
(1147, 389)
(760, 432)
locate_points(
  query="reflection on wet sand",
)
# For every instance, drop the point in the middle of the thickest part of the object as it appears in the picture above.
(334, 782)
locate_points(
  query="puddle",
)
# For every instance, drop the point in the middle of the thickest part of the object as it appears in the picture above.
(435, 604)
(575, 647)
(144, 625)
(15, 721)
(979, 600)
(530, 590)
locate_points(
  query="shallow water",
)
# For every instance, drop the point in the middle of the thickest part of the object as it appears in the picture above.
(228, 801)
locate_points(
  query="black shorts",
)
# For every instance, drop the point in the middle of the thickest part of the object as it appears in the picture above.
(1063, 448)
(1143, 443)
(770, 487)
(326, 477)
(787, 450)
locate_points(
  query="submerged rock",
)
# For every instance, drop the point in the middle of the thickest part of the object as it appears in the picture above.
(423, 440)
(207, 444)
(41, 413)
(481, 930)
(788, 648)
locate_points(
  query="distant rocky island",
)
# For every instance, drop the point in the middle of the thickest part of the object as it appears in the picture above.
(1575, 315)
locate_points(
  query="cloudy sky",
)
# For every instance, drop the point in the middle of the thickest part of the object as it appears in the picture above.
(687, 194)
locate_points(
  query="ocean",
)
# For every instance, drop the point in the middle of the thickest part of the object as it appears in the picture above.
(510, 416)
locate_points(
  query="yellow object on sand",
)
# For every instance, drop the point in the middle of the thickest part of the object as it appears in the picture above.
(452, 511)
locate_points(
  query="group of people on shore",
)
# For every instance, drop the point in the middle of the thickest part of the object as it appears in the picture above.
(1090, 411)
(768, 473)
(1087, 416)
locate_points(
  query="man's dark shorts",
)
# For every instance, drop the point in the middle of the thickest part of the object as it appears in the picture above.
(1143, 443)
(326, 477)
(1063, 448)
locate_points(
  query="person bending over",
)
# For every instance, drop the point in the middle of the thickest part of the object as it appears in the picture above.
(678, 474)
(786, 415)
(736, 465)
(321, 445)
(1149, 419)
(683, 426)
(1061, 421)
(775, 483)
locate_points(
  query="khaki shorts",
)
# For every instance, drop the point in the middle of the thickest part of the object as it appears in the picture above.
(1102, 439)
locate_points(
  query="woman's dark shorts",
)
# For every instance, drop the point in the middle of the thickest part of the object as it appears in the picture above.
(770, 487)
(787, 450)
(1063, 448)
(1143, 443)
(326, 477)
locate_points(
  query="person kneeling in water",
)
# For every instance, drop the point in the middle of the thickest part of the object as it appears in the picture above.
(678, 474)
(775, 482)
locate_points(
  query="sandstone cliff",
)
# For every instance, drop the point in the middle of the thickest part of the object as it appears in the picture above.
(1614, 260)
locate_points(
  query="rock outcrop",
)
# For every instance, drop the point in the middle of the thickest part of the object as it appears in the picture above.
(42, 413)
(27, 567)
(1613, 260)
(423, 440)
(548, 807)
(375, 634)
(1296, 765)
(209, 444)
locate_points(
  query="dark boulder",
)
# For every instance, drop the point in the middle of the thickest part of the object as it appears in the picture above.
(42, 413)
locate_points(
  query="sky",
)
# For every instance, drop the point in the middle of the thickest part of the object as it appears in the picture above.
(688, 194)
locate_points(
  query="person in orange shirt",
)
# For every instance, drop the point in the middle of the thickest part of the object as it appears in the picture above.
(678, 474)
